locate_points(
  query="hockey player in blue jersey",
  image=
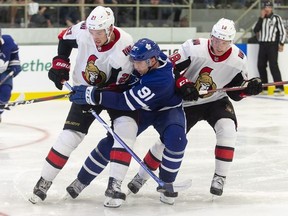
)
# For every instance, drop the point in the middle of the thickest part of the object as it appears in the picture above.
(153, 95)
(9, 62)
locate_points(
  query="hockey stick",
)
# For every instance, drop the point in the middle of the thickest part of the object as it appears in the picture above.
(6, 77)
(164, 186)
(24, 102)
(237, 88)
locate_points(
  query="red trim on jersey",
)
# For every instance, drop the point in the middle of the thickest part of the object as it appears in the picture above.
(206, 70)
(218, 58)
(60, 36)
(224, 153)
(152, 162)
(120, 155)
(174, 57)
(56, 159)
(108, 46)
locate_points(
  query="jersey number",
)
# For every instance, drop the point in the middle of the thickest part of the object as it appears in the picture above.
(145, 94)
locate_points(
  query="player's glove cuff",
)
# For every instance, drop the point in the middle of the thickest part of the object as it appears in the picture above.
(85, 95)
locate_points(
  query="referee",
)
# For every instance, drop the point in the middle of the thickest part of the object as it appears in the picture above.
(271, 36)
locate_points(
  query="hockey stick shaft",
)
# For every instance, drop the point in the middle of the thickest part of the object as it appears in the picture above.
(24, 102)
(166, 186)
(237, 88)
(7, 77)
(175, 187)
(128, 149)
(124, 145)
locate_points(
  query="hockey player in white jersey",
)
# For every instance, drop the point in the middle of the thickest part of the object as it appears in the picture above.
(102, 61)
(207, 64)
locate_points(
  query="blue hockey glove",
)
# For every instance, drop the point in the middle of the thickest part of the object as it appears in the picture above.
(85, 95)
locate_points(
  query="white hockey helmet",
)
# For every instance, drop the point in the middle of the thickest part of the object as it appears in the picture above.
(224, 29)
(100, 18)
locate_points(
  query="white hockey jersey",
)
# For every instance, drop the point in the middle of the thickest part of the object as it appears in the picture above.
(94, 64)
(208, 71)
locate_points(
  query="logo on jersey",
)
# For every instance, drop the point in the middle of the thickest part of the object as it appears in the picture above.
(3, 64)
(205, 81)
(92, 75)
(241, 54)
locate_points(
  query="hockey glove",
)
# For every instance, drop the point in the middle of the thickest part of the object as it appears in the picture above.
(187, 89)
(254, 86)
(59, 71)
(85, 95)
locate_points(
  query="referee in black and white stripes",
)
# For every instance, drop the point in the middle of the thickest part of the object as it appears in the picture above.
(271, 35)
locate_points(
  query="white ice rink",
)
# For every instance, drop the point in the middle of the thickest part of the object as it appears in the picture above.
(257, 184)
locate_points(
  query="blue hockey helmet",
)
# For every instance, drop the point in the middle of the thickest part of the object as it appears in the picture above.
(144, 49)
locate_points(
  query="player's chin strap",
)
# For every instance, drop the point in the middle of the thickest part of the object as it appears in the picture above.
(7, 77)
(238, 88)
(170, 187)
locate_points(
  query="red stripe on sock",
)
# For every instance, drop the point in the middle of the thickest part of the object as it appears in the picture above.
(120, 155)
(152, 162)
(56, 159)
(224, 153)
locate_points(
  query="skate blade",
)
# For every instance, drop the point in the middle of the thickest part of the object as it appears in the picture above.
(129, 192)
(167, 200)
(34, 199)
(112, 203)
(67, 197)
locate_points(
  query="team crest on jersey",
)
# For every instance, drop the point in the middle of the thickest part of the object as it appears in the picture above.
(92, 75)
(205, 81)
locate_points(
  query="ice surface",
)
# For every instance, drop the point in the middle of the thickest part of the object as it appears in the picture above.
(257, 183)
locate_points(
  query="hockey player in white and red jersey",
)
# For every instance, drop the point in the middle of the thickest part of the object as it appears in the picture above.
(207, 64)
(102, 61)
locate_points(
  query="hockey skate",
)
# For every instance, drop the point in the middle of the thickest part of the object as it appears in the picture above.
(168, 197)
(135, 184)
(217, 185)
(75, 188)
(279, 92)
(114, 196)
(40, 190)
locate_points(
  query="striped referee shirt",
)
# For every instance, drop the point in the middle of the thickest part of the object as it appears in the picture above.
(270, 29)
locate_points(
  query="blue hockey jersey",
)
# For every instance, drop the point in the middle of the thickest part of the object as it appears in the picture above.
(154, 91)
(9, 58)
